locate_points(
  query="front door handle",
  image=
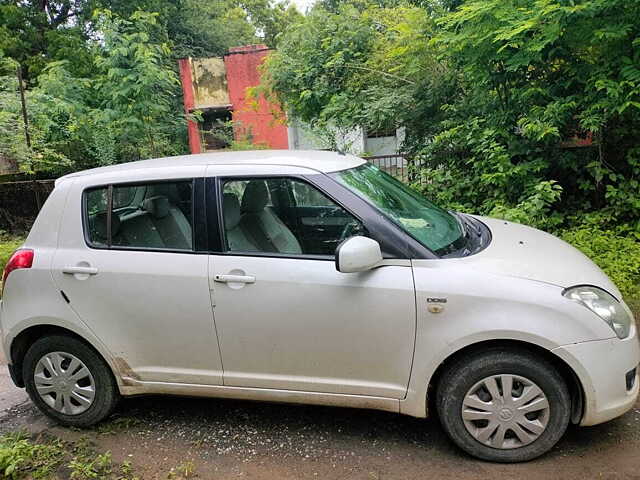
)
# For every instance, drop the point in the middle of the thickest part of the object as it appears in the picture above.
(75, 270)
(235, 278)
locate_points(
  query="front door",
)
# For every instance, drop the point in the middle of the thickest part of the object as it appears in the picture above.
(138, 284)
(286, 318)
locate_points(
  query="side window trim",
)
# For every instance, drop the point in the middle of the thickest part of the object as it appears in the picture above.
(215, 217)
(198, 215)
(109, 215)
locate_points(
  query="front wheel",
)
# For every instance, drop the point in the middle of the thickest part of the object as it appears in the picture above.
(503, 405)
(68, 381)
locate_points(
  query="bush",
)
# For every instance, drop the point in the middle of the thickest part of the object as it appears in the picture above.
(25, 457)
(615, 250)
(8, 245)
(20, 457)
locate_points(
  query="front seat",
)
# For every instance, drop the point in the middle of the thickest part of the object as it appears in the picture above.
(169, 221)
(263, 226)
(237, 240)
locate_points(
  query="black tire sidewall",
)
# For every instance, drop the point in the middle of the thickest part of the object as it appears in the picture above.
(458, 379)
(106, 392)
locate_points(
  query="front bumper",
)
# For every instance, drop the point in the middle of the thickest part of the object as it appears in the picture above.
(602, 367)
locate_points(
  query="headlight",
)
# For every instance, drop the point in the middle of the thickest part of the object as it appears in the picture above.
(605, 306)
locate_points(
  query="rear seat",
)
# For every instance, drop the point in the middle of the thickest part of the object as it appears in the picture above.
(98, 228)
(138, 230)
(158, 225)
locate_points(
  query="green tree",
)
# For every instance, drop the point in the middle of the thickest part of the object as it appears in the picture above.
(126, 111)
(35, 32)
(352, 67)
(490, 92)
(135, 88)
(536, 73)
(40, 154)
(270, 19)
(102, 87)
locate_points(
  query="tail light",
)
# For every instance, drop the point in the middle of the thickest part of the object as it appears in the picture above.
(21, 258)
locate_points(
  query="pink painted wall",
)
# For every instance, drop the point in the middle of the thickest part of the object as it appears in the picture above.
(260, 125)
(188, 101)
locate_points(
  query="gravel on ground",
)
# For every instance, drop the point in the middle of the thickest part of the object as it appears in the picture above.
(225, 439)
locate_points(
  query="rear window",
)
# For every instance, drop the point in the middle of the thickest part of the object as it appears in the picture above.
(154, 216)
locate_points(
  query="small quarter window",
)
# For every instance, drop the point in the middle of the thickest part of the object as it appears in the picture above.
(156, 216)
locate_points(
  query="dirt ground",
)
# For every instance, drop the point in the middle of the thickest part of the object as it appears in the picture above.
(226, 439)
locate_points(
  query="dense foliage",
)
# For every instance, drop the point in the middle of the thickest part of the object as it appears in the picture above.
(497, 97)
(493, 88)
(8, 244)
(101, 75)
(45, 457)
(615, 249)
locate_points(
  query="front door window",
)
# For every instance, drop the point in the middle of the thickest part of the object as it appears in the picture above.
(283, 216)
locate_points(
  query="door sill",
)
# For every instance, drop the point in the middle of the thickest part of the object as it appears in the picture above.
(136, 387)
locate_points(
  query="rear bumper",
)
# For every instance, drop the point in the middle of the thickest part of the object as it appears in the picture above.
(12, 369)
(603, 367)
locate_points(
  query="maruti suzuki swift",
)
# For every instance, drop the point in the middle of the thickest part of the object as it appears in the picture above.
(311, 277)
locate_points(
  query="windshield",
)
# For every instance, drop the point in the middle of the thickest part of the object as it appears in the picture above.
(434, 227)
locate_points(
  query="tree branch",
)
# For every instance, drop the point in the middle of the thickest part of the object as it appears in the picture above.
(372, 70)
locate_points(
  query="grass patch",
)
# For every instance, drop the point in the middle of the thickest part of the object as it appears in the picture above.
(616, 251)
(8, 245)
(23, 457)
(20, 457)
(634, 305)
(183, 471)
(117, 425)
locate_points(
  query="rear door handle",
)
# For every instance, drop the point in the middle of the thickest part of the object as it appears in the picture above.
(235, 278)
(80, 270)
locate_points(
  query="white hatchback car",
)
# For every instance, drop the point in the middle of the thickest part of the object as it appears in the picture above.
(311, 277)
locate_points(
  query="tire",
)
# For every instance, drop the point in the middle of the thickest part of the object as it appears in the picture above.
(99, 379)
(472, 378)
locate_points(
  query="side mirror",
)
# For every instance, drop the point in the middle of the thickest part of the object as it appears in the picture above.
(358, 254)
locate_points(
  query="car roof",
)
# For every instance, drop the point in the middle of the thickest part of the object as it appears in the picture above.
(320, 161)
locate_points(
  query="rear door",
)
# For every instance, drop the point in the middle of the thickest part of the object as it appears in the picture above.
(140, 282)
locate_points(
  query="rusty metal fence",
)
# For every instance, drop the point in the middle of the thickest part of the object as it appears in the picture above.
(404, 169)
(20, 203)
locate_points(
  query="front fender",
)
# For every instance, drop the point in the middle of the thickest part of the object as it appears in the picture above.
(481, 307)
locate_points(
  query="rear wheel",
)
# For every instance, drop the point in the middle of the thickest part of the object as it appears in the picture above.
(69, 381)
(503, 406)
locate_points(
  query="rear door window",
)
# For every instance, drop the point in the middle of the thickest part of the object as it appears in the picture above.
(154, 216)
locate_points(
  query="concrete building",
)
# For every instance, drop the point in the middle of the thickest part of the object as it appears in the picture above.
(218, 87)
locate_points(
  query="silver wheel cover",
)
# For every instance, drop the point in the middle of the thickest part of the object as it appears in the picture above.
(64, 383)
(505, 411)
